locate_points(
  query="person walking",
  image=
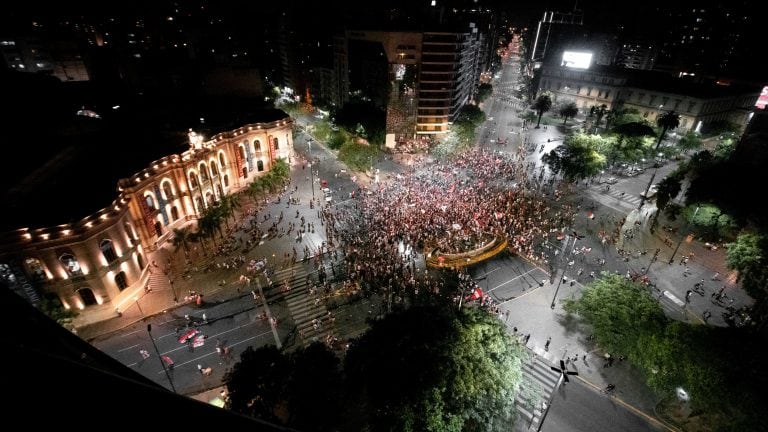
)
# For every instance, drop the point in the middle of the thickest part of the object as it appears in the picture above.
(546, 345)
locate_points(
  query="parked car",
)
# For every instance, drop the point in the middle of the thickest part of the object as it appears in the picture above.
(611, 180)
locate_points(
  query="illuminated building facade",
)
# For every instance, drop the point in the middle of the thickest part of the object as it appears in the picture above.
(650, 93)
(99, 263)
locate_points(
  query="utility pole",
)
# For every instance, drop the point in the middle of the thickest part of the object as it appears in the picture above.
(672, 258)
(647, 189)
(269, 315)
(162, 363)
(565, 265)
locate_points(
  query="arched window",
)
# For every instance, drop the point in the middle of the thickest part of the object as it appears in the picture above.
(199, 205)
(257, 146)
(70, 264)
(218, 190)
(245, 172)
(174, 213)
(168, 190)
(108, 250)
(35, 268)
(260, 165)
(150, 202)
(222, 161)
(203, 171)
(276, 144)
(214, 170)
(140, 261)
(159, 228)
(192, 180)
(226, 180)
(86, 294)
(242, 153)
(121, 281)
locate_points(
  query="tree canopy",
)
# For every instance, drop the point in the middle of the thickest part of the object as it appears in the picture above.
(712, 364)
(432, 368)
(577, 158)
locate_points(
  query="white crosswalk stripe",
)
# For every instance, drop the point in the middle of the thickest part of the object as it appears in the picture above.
(539, 382)
(308, 311)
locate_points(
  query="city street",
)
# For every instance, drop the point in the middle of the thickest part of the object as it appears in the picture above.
(528, 292)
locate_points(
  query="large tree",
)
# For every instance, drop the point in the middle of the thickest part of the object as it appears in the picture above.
(576, 159)
(568, 110)
(666, 122)
(748, 255)
(257, 383)
(542, 104)
(712, 364)
(435, 368)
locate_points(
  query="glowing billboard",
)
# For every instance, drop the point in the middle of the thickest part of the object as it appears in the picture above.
(576, 59)
(762, 101)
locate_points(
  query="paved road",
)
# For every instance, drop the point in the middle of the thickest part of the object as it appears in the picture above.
(579, 407)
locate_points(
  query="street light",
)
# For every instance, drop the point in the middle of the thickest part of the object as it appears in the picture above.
(165, 369)
(565, 265)
(309, 165)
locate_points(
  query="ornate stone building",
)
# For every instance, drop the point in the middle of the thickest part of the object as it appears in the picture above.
(99, 262)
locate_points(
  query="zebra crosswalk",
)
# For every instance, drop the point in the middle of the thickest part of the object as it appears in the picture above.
(539, 381)
(307, 307)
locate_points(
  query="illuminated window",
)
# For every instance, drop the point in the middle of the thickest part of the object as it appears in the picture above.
(257, 145)
(168, 190)
(203, 172)
(260, 165)
(70, 264)
(150, 202)
(221, 160)
(276, 144)
(121, 281)
(35, 268)
(214, 170)
(108, 250)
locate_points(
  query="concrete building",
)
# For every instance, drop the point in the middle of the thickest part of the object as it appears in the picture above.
(651, 93)
(97, 264)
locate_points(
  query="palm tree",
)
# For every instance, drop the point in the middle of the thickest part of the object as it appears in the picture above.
(542, 104)
(666, 122)
(180, 238)
(569, 110)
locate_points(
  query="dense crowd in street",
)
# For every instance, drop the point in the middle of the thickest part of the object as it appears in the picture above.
(451, 207)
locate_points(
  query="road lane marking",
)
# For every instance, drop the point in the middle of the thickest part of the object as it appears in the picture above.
(214, 352)
(513, 279)
(127, 348)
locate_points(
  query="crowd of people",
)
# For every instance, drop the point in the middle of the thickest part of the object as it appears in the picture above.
(451, 207)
